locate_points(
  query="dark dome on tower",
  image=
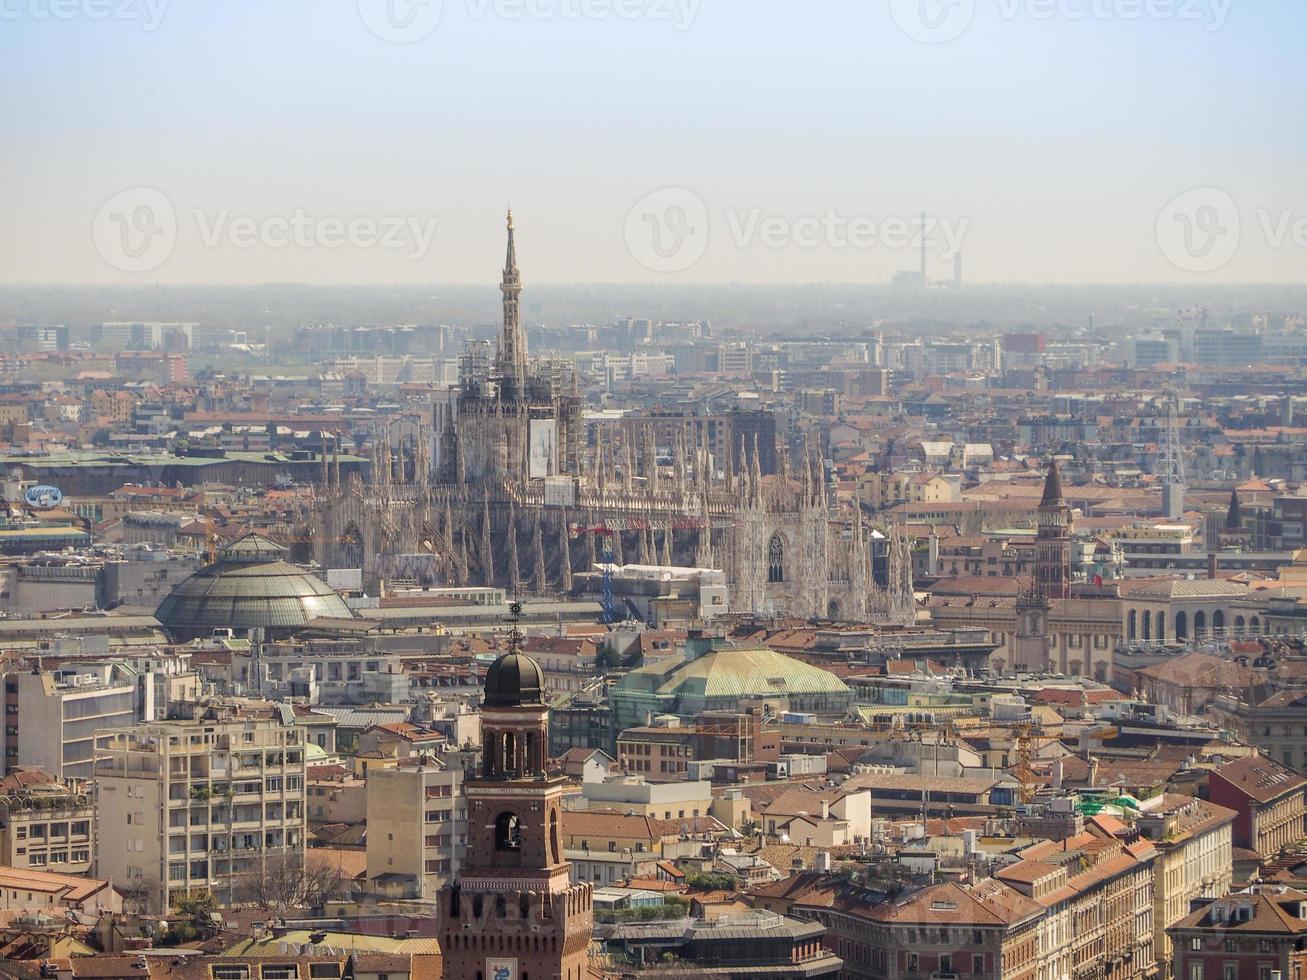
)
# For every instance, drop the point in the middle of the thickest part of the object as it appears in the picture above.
(250, 585)
(514, 680)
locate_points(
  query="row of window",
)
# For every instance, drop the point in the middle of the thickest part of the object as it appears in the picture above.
(41, 860)
(39, 831)
(274, 971)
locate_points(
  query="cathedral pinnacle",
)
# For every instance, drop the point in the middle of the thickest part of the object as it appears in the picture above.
(512, 339)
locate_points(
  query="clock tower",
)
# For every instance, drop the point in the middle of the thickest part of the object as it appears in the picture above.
(513, 912)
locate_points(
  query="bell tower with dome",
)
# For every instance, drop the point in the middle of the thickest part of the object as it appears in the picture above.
(513, 913)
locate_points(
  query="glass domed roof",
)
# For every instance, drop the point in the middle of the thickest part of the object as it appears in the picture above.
(251, 585)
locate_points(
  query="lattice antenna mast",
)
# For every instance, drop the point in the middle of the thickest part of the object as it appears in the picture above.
(1170, 462)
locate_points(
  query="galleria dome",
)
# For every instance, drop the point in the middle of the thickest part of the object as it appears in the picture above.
(250, 586)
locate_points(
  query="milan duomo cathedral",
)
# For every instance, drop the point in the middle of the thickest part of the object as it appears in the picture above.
(517, 496)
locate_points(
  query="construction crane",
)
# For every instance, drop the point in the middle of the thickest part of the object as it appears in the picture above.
(1029, 741)
(606, 533)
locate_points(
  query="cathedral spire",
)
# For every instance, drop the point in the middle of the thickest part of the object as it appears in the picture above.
(512, 339)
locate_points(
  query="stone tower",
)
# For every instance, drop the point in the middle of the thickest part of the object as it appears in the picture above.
(511, 364)
(1053, 540)
(513, 913)
(1052, 576)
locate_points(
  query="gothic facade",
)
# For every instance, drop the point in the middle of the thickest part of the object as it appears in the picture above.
(517, 492)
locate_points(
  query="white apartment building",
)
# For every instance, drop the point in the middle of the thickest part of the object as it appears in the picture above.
(186, 807)
(1194, 840)
(52, 717)
(417, 828)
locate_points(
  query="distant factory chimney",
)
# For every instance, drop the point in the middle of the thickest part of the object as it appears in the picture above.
(957, 268)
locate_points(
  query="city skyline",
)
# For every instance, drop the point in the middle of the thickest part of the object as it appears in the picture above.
(653, 142)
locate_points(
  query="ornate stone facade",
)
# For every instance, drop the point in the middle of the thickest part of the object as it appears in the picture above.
(516, 497)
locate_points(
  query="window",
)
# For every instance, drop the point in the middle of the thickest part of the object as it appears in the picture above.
(1195, 944)
(776, 559)
(231, 971)
(279, 971)
(977, 964)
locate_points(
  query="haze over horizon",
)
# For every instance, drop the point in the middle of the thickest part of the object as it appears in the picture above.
(716, 142)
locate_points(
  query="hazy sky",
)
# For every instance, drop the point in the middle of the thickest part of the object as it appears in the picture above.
(652, 140)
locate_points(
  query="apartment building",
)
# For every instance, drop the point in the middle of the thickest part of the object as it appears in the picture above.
(52, 717)
(1252, 935)
(417, 828)
(48, 827)
(1268, 800)
(1097, 896)
(633, 795)
(987, 931)
(1193, 839)
(185, 807)
(1277, 725)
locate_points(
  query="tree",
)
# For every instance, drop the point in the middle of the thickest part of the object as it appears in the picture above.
(292, 880)
(138, 895)
(716, 881)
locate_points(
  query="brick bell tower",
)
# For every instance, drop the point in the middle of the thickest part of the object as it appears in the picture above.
(513, 913)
